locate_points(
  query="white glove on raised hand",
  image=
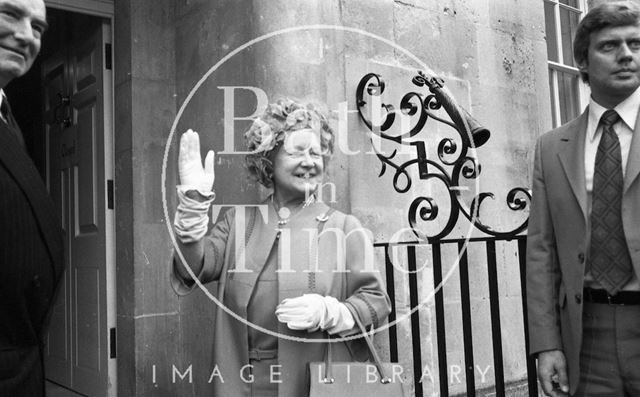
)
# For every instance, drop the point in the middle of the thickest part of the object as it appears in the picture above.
(192, 219)
(312, 311)
(193, 176)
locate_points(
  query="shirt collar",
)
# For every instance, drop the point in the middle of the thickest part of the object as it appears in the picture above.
(627, 109)
(2, 99)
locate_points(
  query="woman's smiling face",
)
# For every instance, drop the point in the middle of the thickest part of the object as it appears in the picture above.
(298, 165)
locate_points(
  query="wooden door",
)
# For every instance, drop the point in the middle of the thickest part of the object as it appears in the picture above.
(58, 350)
(77, 351)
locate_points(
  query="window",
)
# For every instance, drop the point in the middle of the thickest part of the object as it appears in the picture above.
(568, 92)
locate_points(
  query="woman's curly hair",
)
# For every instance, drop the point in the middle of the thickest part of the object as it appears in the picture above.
(268, 131)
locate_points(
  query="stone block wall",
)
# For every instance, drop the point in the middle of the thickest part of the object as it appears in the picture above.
(492, 56)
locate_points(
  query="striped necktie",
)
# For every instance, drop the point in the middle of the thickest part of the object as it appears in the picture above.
(10, 121)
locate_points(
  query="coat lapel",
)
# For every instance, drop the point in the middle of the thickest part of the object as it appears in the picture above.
(294, 252)
(17, 162)
(298, 253)
(255, 253)
(633, 162)
(571, 154)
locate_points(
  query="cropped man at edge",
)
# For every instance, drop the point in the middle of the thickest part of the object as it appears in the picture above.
(583, 252)
(31, 253)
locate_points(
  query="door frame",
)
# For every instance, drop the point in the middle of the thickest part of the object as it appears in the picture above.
(104, 9)
(98, 8)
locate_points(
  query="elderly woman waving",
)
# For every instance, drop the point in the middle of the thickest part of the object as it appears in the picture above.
(290, 270)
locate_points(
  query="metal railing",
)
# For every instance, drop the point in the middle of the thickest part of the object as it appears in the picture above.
(454, 165)
(467, 322)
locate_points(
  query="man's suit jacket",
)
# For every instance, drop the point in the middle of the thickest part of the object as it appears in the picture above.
(31, 264)
(558, 236)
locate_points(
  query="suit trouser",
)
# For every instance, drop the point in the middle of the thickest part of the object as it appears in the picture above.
(610, 355)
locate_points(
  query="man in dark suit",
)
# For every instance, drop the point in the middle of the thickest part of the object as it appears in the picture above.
(583, 253)
(31, 253)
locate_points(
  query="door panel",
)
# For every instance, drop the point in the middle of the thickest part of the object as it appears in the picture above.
(87, 357)
(87, 183)
(80, 346)
(58, 349)
(90, 363)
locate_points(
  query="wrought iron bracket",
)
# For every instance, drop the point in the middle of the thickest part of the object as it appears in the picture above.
(456, 159)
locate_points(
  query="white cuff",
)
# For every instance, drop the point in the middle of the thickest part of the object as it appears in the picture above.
(208, 194)
(192, 219)
(337, 317)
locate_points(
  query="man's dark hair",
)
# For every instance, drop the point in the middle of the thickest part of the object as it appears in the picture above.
(607, 14)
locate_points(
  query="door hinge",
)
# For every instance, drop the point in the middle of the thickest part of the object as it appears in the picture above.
(107, 56)
(110, 194)
(112, 343)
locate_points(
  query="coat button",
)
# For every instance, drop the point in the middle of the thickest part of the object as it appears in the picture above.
(578, 298)
(581, 257)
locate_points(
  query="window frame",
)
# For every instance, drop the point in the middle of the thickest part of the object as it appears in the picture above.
(555, 68)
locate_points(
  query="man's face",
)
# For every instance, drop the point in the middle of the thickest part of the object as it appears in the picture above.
(22, 23)
(613, 63)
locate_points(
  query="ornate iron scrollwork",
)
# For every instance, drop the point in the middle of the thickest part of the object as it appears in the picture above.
(456, 162)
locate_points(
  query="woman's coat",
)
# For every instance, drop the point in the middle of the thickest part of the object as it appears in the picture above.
(338, 263)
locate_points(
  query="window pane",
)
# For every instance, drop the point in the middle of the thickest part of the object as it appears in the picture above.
(572, 3)
(569, 22)
(569, 96)
(550, 26)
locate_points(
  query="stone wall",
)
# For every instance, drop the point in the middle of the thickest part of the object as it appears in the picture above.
(145, 105)
(492, 56)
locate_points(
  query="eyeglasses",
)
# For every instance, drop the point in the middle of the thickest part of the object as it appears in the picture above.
(299, 143)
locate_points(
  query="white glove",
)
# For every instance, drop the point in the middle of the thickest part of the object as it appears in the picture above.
(303, 312)
(192, 175)
(191, 220)
(338, 317)
(312, 311)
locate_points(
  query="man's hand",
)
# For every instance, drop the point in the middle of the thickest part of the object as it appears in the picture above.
(552, 373)
(190, 169)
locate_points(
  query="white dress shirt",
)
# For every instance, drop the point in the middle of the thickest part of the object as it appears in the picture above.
(628, 111)
(2, 94)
